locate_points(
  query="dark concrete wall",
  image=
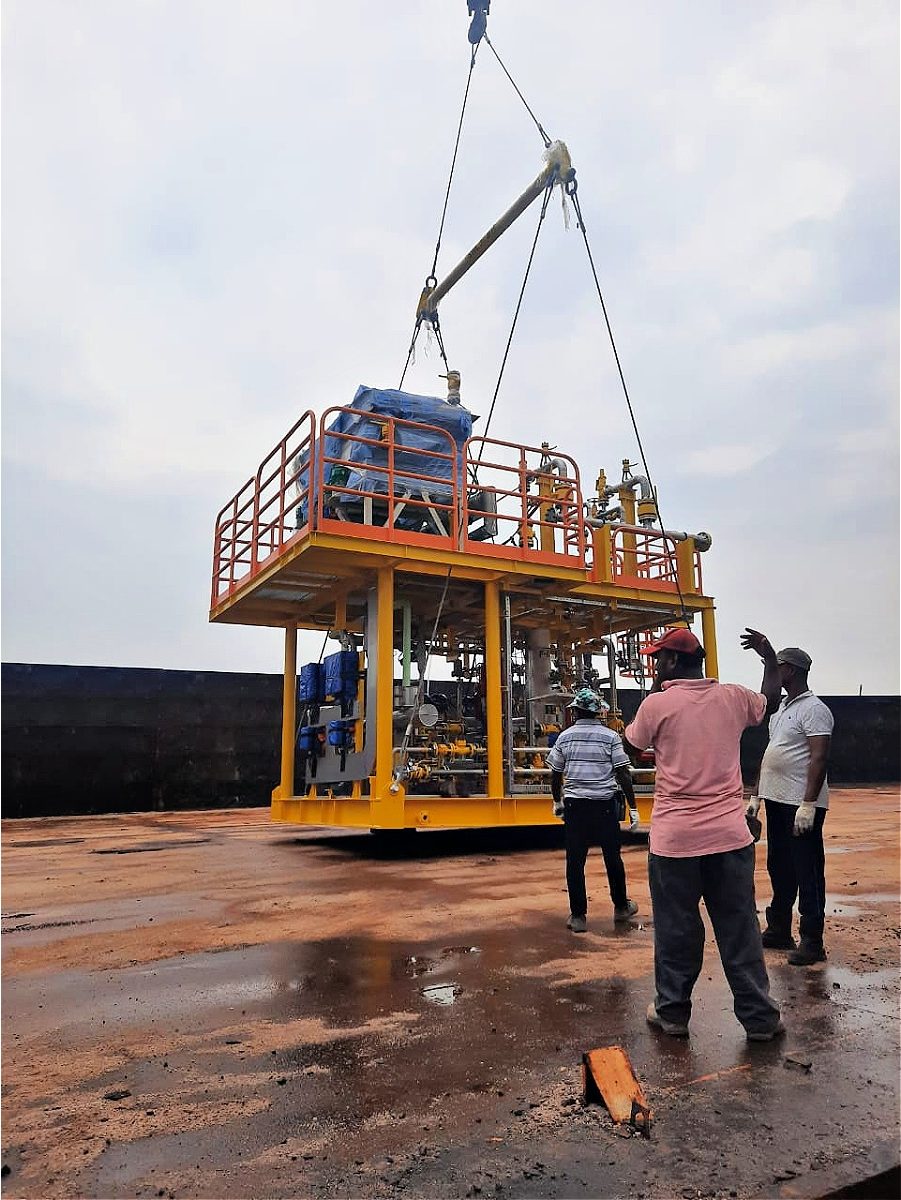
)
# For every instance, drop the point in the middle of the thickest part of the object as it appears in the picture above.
(866, 741)
(111, 739)
(117, 739)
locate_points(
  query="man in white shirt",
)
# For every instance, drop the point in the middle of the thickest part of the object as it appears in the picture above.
(793, 785)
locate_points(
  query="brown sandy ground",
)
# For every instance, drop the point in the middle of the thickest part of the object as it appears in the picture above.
(310, 1013)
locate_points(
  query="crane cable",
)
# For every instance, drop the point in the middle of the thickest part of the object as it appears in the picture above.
(400, 767)
(544, 203)
(538, 125)
(571, 189)
(572, 192)
(431, 279)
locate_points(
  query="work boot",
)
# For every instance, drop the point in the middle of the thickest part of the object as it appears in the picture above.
(777, 939)
(765, 1035)
(807, 954)
(670, 1027)
(622, 912)
(577, 924)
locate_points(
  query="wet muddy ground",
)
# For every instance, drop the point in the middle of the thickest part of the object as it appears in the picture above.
(203, 1004)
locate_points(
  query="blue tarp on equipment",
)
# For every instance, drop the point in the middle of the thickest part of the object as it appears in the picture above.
(409, 443)
(427, 410)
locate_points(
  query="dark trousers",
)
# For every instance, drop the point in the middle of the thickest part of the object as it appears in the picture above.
(797, 870)
(592, 823)
(725, 882)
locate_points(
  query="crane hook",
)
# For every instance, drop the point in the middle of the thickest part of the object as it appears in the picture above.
(478, 10)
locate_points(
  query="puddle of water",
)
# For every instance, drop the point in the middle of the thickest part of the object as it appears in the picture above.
(151, 847)
(442, 993)
(874, 897)
(852, 904)
(421, 964)
(851, 849)
(862, 981)
(41, 843)
(47, 925)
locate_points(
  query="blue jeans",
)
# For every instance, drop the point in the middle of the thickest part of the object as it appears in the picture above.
(725, 882)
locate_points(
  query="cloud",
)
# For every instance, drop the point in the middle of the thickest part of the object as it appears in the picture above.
(217, 217)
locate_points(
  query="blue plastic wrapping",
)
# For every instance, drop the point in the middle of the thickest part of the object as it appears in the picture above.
(309, 688)
(357, 461)
(340, 673)
(341, 733)
(310, 738)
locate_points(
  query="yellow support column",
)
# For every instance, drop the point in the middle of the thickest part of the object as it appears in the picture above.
(708, 630)
(384, 667)
(602, 544)
(630, 542)
(545, 532)
(340, 612)
(493, 706)
(289, 717)
(685, 567)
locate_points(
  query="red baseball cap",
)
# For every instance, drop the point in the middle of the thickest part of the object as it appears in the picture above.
(681, 640)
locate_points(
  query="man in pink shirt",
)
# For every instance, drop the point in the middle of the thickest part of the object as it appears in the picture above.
(700, 844)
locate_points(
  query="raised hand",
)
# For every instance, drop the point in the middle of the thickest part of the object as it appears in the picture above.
(752, 639)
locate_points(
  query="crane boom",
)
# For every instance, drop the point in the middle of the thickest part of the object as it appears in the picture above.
(558, 169)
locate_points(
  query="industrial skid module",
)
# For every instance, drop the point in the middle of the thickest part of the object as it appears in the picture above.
(389, 526)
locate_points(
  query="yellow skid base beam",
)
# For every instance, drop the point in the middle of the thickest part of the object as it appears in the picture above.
(423, 812)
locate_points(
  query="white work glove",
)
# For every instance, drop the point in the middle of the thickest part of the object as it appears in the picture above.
(753, 806)
(634, 819)
(558, 809)
(804, 819)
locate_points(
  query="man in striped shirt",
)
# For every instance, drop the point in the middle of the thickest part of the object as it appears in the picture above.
(588, 766)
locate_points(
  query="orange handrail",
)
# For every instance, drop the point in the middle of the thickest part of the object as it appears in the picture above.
(246, 532)
(388, 473)
(542, 506)
(562, 493)
(648, 561)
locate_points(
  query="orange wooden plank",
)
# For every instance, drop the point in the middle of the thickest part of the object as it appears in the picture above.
(608, 1074)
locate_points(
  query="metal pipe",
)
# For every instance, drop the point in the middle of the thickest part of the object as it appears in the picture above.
(532, 771)
(407, 643)
(629, 481)
(703, 541)
(610, 645)
(643, 482)
(557, 167)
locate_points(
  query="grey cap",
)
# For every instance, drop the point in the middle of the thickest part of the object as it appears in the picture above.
(795, 657)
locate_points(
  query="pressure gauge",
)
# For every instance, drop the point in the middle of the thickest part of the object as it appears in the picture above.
(427, 715)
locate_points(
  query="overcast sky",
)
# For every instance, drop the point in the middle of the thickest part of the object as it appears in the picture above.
(217, 214)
